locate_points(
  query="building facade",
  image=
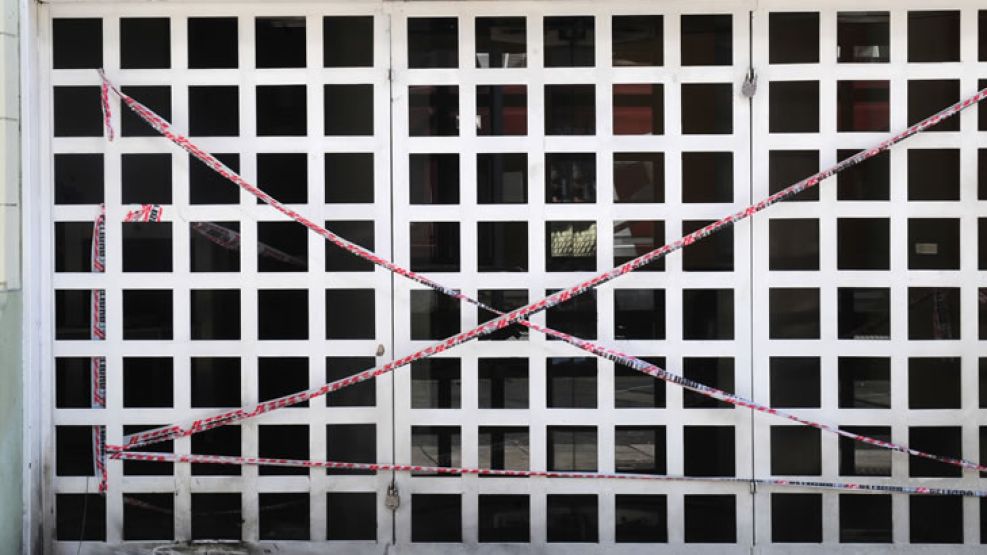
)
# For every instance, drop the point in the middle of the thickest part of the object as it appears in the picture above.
(507, 149)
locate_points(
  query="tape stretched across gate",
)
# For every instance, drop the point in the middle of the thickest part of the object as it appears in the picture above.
(518, 315)
(260, 461)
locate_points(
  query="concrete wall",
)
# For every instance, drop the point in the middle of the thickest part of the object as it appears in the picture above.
(11, 409)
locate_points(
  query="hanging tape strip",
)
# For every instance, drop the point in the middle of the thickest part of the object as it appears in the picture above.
(260, 461)
(170, 432)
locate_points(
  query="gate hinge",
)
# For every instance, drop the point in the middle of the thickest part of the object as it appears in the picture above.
(393, 499)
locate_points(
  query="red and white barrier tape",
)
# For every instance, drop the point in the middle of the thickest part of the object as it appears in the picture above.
(97, 364)
(516, 316)
(260, 461)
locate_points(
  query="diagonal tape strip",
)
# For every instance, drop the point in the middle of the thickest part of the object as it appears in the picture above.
(813, 484)
(517, 316)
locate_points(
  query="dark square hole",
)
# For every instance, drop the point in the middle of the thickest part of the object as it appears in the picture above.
(638, 109)
(638, 177)
(351, 516)
(148, 516)
(570, 177)
(73, 246)
(356, 443)
(504, 300)
(503, 383)
(436, 446)
(794, 313)
(863, 459)
(796, 518)
(934, 36)
(147, 314)
(77, 112)
(501, 42)
(282, 314)
(946, 441)
(77, 43)
(569, 41)
(793, 37)
(148, 382)
(793, 244)
(576, 316)
(214, 111)
(639, 314)
(74, 450)
(935, 519)
(279, 41)
(223, 441)
(929, 96)
(572, 448)
(433, 315)
(282, 247)
(215, 382)
(933, 174)
(360, 232)
(864, 313)
(641, 518)
(281, 110)
(709, 450)
(215, 314)
(635, 390)
(433, 110)
(795, 382)
(501, 109)
(208, 187)
(572, 519)
(350, 314)
(280, 377)
(864, 383)
(148, 468)
(707, 177)
(640, 449)
(74, 381)
(788, 167)
(570, 246)
(434, 246)
(796, 451)
(213, 42)
(283, 441)
(863, 37)
(214, 246)
(862, 106)
(349, 110)
(78, 178)
(634, 238)
(502, 178)
(146, 247)
(502, 246)
(504, 518)
(433, 178)
(217, 516)
(707, 314)
(570, 109)
(638, 40)
(865, 518)
(504, 447)
(933, 383)
(284, 516)
(72, 314)
(284, 176)
(80, 517)
(145, 43)
(348, 41)
(716, 372)
(707, 108)
(436, 517)
(933, 313)
(571, 383)
(933, 244)
(714, 253)
(433, 42)
(349, 177)
(146, 178)
(707, 40)
(436, 383)
(868, 180)
(793, 106)
(157, 98)
(863, 244)
(362, 394)
(710, 518)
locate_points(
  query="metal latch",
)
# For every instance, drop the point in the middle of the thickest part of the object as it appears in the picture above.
(749, 87)
(393, 499)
